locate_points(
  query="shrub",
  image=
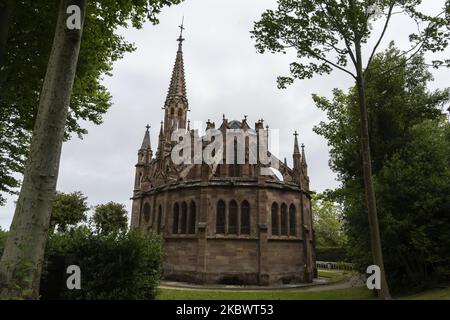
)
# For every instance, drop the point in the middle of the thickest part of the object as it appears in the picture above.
(124, 265)
(332, 254)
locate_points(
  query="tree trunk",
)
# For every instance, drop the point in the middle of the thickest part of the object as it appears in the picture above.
(6, 9)
(371, 204)
(21, 263)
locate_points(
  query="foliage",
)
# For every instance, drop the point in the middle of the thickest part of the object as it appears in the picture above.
(328, 224)
(125, 265)
(68, 210)
(409, 144)
(326, 34)
(31, 30)
(333, 34)
(3, 235)
(333, 254)
(20, 274)
(110, 217)
(415, 184)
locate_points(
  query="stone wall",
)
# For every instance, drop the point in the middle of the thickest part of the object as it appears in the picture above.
(207, 257)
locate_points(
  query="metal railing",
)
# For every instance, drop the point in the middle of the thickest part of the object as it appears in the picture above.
(334, 265)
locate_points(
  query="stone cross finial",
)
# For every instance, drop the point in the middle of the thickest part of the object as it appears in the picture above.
(181, 39)
(148, 127)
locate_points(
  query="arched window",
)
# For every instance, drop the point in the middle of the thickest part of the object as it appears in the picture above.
(275, 219)
(220, 217)
(192, 218)
(284, 220)
(147, 212)
(245, 217)
(159, 219)
(232, 217)
(183, 218)
(176, 217)
(172, 111)
(180, 112)
(292, 221)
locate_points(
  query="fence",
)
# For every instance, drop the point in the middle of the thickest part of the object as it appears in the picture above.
(334, 265)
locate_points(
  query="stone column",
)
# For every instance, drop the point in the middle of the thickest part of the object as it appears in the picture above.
(202, 234)
(263, 265)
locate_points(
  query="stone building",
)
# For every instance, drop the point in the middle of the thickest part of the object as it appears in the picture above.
(226, 222)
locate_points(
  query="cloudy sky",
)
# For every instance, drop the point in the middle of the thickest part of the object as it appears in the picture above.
(224, 74)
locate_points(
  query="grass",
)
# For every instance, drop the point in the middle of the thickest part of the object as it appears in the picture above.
(436, 294)
(333, 276)
(341, 294)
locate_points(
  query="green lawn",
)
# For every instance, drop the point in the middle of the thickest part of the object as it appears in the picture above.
(334, 276)
(439, 294)
(342, 294)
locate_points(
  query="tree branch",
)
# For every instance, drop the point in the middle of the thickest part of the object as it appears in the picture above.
(312, 53)
(382, 34)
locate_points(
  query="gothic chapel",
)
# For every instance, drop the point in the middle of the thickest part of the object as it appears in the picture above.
(226, 223)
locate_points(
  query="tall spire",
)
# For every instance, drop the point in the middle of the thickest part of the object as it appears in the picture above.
(176, 105)
(177, 88)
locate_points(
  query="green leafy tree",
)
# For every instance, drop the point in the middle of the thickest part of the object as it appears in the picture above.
(68, 210)
(414, 185)
(328, 222)
(110, 218)
(331, 34)
(400, 103)
(27, 30)
(24, 249)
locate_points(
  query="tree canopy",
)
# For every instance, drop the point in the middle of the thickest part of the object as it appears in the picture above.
(68, 210)
(29, 34)
(325, 34)
(328, 222)
(333, 34)
(110, 217)
(410, 142)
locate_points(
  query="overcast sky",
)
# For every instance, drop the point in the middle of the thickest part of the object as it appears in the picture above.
(224, 74)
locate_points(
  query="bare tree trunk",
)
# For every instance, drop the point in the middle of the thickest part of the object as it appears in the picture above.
(21, 263)
(371, 204)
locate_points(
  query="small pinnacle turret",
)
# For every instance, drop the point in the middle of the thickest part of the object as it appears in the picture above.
(296, 148)
(146, 144)
(296, 155)
(304, 164)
